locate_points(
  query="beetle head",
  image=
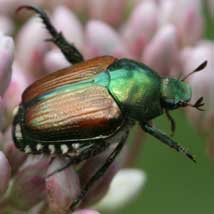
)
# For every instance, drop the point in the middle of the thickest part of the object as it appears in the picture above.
(174, 93)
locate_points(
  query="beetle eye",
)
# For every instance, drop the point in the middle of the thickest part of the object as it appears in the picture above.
(169, 103)
(182, 103)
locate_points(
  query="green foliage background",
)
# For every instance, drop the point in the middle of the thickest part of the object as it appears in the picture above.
(175, 185)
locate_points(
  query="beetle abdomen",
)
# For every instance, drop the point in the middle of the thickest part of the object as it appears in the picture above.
(83, 113)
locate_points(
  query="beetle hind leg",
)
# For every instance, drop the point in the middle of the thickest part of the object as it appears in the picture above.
(68, 164)
(71, 53)
(99, 173)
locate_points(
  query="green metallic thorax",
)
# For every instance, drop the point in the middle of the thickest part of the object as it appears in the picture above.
(135, 87)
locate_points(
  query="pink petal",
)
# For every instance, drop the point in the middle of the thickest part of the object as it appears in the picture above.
(5, 173)
(162, 52)
(110, 11)
(186, 16)
(167, 13)
(190, 22)
(86, 211)
(55, 60)
(17, 85)
(29, 183)
(76, 5)
(62, 187)
(6, 25)
(101, 39)
(40, 208)
(31, 49)
(141, 26)
(14, 156)
(3, 117)
(6, 56)
(71, 27)
(8, 7)
(211, 7)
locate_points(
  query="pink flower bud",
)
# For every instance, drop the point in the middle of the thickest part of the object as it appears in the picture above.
(125, 187)
(162, 52)
(66, 22)
(211, 7)
(55, 60)
(5, 172)
(101, 39)
(167, 9)
(17, 85)
(40, 208)
(31, 49)
(85, 211)
(6, 25)
(9, 6)
(190, 22)
(186, 16)
(77, 5)
(6, 56)
(62, 187)
(110, 11)
(141, 26)
(14, 156)
(29, 183)
(3, 118)
(51, 5)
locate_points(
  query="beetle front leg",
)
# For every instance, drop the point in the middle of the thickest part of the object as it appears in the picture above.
(71, 53)
(166, 139)
(99, 173)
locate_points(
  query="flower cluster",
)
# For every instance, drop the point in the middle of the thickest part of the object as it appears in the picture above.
(165, 34)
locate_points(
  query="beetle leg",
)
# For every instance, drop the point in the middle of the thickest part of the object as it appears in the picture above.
(172, 122)
(91, 151)
(68, 164)
(51, 160)
(166, 139)
(71, 53)
(99, 173)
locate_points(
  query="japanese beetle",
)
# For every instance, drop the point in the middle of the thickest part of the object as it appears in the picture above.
(81, 110)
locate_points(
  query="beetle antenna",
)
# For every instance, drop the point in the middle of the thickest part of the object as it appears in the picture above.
(198, 104)
(172, 122)
(199, 68)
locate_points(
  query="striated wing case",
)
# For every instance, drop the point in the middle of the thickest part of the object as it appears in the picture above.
(69, 105)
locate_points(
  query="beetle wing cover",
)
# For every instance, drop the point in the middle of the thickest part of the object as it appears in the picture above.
(82, 113)
(73, 74)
